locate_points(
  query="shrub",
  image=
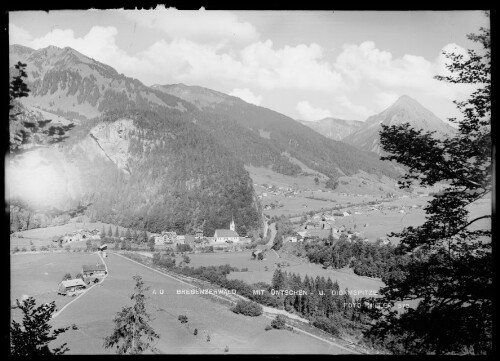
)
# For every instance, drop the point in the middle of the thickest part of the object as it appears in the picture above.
(208, 338)
(16, 249)
(327, 325)
(23, 249)
(44, 248)
(195, 331)
(268, 327)
(183, 318)
(226, 349)
(247, 308)
(278, 322)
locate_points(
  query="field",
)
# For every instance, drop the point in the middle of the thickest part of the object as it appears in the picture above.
(43, 236)
(257, 273)
(39, 274)
(93, 313)
(235, 259)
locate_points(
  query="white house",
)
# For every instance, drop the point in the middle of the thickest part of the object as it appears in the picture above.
(169, 237)
(159, 240)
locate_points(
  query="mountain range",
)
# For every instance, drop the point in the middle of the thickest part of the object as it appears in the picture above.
(404, 110)
(333, 128)
(171, 156)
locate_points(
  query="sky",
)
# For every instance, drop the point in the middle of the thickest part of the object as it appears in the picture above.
(305, 64)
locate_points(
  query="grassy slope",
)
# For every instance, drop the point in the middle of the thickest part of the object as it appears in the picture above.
(240, 333)
(39, 275)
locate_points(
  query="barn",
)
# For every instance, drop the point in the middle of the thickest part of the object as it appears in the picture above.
(97, 270)
(71, 286)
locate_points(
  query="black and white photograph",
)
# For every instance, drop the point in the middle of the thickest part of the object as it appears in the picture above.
(258, 182)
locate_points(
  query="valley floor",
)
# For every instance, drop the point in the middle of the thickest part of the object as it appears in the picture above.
(94, 311)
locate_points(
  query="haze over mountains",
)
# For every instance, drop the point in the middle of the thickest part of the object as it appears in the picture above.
(333, 128)
(365, 134)
(186, 145)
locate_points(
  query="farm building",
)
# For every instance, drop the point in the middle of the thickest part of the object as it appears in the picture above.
(71, 286)
(346, 214)
(159, 239)
(103, 247)
(80, 235)
(310, 225)
(181, 239)
(324, 225)
(169, 237)
(198, 233)
(291, 239)
(97, 270)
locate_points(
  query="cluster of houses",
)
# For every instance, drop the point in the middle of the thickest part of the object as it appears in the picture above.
(79, 235)
(221, 237)
(274, 190)
(90, 274)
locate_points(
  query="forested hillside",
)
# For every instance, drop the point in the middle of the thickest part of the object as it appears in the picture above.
(260, 136)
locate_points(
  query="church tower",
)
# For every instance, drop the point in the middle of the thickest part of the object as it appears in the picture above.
(232, 226)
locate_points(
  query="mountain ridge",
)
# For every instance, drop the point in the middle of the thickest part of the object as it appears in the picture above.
(404, 110)
(333, 128)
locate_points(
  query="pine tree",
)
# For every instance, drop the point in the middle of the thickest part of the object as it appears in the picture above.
(132, 333)
(110, 232)
(278, 281)
(33, 336)
(117, 232)
(24, 131)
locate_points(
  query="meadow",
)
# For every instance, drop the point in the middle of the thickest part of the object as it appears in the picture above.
(257, 269)
(93, 314)
(43, 236)
(39, 275)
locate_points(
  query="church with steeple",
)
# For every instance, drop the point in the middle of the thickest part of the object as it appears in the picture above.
(227, 235)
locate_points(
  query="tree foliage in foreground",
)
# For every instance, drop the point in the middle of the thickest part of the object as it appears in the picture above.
(449, 266)
(132, 333)
(33, 335)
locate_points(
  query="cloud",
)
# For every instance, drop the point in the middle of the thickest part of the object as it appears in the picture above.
(361, 81)
(385, 99)
(217, 28)
(291, 67)
(364, 64)
(310, 113)
(259, 64)
(246, 95)
(347, 110)
(18, 35)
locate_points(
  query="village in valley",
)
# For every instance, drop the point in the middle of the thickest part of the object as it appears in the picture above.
(238, 183)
